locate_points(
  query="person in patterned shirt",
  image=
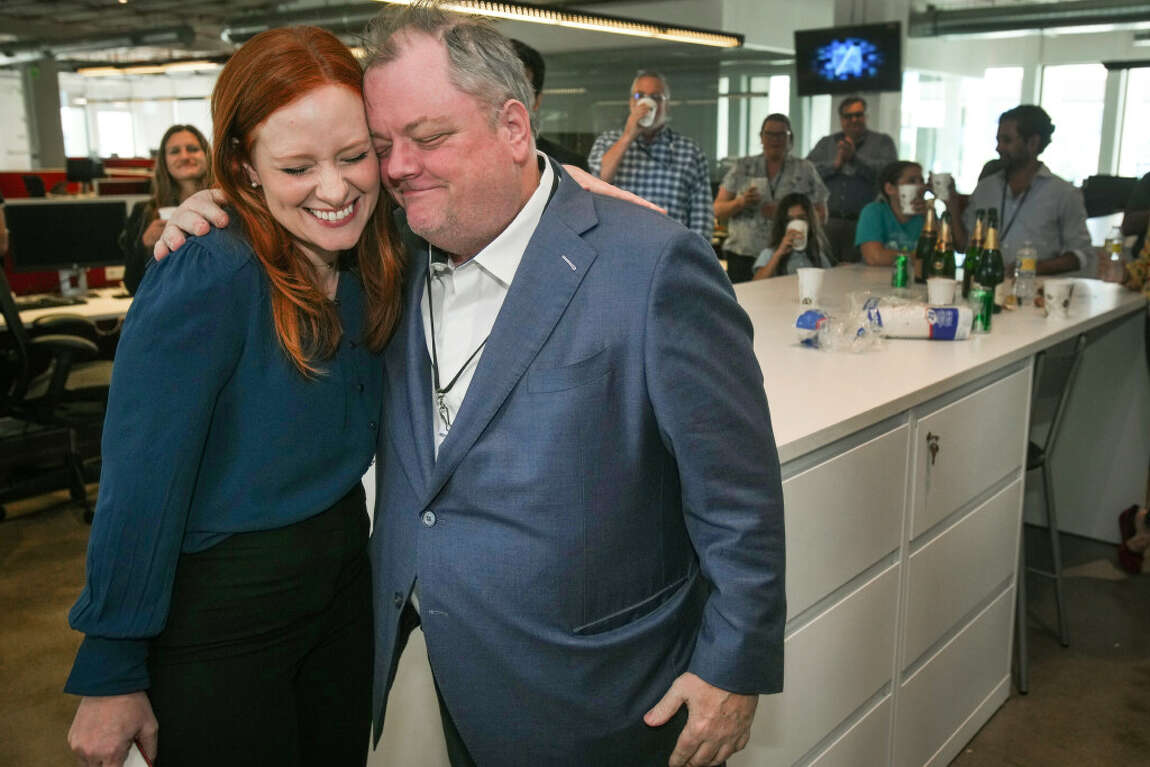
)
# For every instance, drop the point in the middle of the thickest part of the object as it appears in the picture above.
(649, 159)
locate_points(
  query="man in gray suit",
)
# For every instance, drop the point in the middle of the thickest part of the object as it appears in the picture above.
(578, 487)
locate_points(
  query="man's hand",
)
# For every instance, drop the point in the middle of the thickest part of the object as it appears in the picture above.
(104, 728)
(846, 152)
(632, 128)
(718, 722)
(195, 216)
(599, 186)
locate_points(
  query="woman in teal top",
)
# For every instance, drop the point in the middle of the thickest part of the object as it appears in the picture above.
(227, 608)
(883, 229)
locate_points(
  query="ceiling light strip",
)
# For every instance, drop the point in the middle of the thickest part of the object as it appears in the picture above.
(588, 21)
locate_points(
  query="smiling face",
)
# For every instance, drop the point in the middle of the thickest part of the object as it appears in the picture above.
(460, 169)
(853, 120)
(313, 161)
(776, 137)
(185, 157)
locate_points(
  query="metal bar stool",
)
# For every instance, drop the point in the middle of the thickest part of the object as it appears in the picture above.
(1038, 459)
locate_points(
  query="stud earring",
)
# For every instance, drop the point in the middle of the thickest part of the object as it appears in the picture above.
(255, 185)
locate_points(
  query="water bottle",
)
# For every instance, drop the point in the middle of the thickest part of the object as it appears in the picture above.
(1025, 270)
(1112, 269)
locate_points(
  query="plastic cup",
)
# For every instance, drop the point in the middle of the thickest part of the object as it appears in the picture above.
(802, 227)
(940, 185)
(940, 291)
(647, 120)
(761, 183)
(1059, 294)
(810, 282)
(166, 213)
(907, 194)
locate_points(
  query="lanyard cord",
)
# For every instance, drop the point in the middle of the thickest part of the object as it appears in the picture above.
(441, 392)
(1002, 206)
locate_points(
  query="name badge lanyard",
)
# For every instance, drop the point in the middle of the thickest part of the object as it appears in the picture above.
(443, 391)
(1002, 207)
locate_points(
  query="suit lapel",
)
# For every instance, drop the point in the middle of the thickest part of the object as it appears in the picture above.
(550, 272)
(409, 373)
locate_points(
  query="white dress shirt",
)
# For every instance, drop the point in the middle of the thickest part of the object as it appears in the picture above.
(467, 298)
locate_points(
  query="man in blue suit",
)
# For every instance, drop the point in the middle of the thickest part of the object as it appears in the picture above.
(578, 488)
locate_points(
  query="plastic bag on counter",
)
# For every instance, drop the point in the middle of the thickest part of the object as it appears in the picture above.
(820, 330)
(901, 317)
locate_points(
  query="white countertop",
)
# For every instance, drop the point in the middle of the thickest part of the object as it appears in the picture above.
(102, 304)
(817, 397)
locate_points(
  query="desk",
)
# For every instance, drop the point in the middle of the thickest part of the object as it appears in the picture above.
(102, 305)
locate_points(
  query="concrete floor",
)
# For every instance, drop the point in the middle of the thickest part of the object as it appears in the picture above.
(1089, 704)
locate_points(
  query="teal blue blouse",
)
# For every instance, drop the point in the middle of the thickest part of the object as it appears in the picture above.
(877, 223)
(210, 431)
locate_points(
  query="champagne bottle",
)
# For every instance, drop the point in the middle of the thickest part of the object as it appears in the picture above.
(942, 258)
(926, 240)
(990, 267)
(973, 250)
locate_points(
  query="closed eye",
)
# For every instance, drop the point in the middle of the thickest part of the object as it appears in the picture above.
(358, 158)
(299, 171)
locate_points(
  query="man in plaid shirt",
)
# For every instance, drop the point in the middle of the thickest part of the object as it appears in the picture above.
(649, 159)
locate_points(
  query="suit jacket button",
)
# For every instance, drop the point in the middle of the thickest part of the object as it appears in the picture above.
(429, 518)
(397, 600)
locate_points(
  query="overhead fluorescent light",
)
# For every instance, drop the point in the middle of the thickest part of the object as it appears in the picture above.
(593, 22)
(124, 70)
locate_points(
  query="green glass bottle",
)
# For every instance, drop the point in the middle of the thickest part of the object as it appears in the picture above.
(942, 258)
(925, 246)
(970, 265)
(991, 271)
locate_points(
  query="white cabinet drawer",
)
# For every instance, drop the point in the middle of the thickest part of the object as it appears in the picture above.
(942, 695)
(848, 511)
(865, 744)
(980, 439)
(954, 572)
(832, 666)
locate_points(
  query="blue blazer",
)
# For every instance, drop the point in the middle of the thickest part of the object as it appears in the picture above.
(606, 512)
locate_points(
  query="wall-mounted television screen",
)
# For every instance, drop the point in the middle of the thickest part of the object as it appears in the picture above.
(839, 60)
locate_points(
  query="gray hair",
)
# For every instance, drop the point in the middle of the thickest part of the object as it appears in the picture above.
(481, 62)
(658, 76)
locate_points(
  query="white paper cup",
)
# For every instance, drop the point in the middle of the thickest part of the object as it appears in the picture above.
(1059, 295)
(940, 185)
(166, 213)
(810, 282)
(647, 120)
(940, 291)
(802, 227)
(907, 194)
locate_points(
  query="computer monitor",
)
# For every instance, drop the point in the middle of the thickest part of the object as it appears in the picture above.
(840, 60)
(83, 169)
(65, 235)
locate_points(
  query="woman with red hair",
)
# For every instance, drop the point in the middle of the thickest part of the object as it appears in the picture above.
(227, 609)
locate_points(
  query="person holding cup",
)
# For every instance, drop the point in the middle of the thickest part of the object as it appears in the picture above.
(750, 193)
(181, 169)
(797, 240)
(648, 159)
(896, 217)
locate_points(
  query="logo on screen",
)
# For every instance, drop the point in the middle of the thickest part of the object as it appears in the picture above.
(848, 59)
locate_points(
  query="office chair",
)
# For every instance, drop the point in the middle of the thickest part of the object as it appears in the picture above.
(50, 421)
(34, 186)
(1038, 459)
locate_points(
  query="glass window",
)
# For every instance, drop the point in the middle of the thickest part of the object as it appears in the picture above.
(1073, 96)
(1134, 154)
(114, 133)
(74, 123)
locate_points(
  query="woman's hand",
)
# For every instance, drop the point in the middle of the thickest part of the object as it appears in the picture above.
(195, 216)
(152, 233)
(787, 244)
(599, 186)
(104, 728)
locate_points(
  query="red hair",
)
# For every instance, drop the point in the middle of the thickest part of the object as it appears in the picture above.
(271, 70)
